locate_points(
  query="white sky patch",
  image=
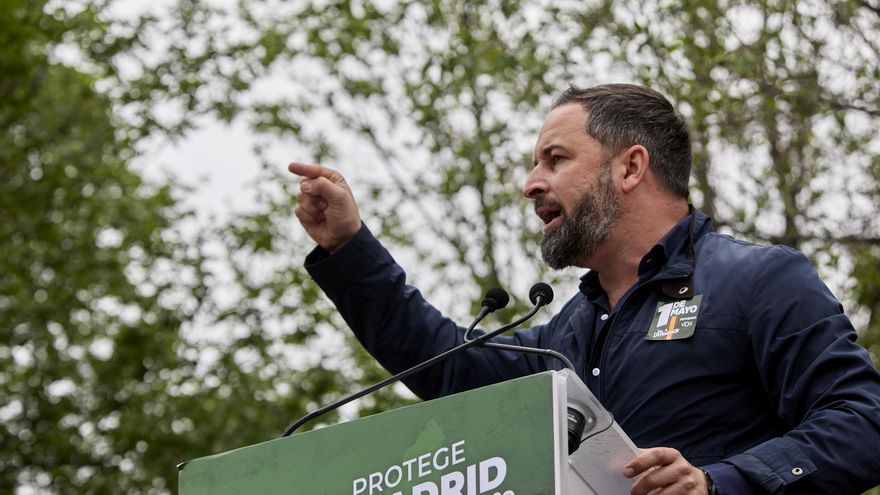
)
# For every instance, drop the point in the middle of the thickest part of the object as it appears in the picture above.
(109, 238)
(216, 160)
(102, 348)
(10, 411)
(23, 356)
(61, 388)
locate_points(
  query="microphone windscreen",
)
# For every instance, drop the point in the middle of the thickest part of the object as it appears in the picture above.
(541, 290)
(496, 298)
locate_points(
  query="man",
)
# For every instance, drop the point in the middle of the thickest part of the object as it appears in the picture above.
(732, 362)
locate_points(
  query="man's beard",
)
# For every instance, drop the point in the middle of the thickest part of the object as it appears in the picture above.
(576, 238)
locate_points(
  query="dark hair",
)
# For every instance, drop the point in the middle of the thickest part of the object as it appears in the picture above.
(623, 115)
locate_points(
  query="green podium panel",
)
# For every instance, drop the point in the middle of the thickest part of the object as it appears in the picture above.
(497, 440)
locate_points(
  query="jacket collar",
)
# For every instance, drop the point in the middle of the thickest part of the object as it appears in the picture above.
(672, 259)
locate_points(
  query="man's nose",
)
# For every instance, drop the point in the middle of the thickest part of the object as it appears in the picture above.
(536, 184)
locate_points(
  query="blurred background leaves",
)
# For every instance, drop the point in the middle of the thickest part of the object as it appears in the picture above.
(135, 337)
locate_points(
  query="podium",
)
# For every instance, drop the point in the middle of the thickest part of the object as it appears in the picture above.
(510, 438)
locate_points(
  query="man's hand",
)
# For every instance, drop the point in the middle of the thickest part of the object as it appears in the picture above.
(671, 473)
(325, 206)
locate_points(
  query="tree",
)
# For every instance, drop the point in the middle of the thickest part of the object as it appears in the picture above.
(783, 103)
(442, 102)
(130, 342)
(140, 339)
(74, 219)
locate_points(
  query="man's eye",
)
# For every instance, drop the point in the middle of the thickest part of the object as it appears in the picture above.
(554, 159)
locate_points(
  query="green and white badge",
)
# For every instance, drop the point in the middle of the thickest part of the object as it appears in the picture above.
(675, 320)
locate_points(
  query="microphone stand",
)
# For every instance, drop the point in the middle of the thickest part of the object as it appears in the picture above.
(481, 340)
(531, 350)
(539, 300)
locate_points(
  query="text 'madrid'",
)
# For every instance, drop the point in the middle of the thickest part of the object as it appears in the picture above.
(457, 478)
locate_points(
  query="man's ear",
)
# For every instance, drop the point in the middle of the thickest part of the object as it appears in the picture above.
(635, 162)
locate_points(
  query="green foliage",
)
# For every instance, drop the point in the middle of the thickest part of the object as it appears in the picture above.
(442, 101)
(135, 337)
(132, 339)
(783, 102)
(427, 91)
(76, 328)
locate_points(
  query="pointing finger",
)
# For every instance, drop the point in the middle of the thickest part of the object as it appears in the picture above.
(305, 170)
(312, 171)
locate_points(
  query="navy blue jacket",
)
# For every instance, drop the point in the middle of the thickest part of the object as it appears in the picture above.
(771, 393)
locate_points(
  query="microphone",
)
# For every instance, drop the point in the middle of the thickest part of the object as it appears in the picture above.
(578, 421)
(540, 294)
(578, 418)
(495, 299)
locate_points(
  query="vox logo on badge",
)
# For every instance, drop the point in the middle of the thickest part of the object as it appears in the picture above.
(675, 320)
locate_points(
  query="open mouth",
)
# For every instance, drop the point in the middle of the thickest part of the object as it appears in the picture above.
(551, 215)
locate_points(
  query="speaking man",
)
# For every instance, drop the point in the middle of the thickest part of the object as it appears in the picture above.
(732, 364)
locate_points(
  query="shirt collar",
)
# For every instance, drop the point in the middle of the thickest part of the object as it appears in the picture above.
(591, 287)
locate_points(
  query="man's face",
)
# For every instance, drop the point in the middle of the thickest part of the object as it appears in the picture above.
(573, 189)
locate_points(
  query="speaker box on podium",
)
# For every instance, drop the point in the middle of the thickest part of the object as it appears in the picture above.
(510, 438)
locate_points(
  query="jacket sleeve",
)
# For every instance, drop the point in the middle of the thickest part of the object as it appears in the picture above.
(821, 383)
(400, 329)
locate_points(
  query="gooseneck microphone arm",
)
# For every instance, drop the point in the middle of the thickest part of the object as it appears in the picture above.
(540, 295)
(576, 419)
(495, 299)
(532, 350)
